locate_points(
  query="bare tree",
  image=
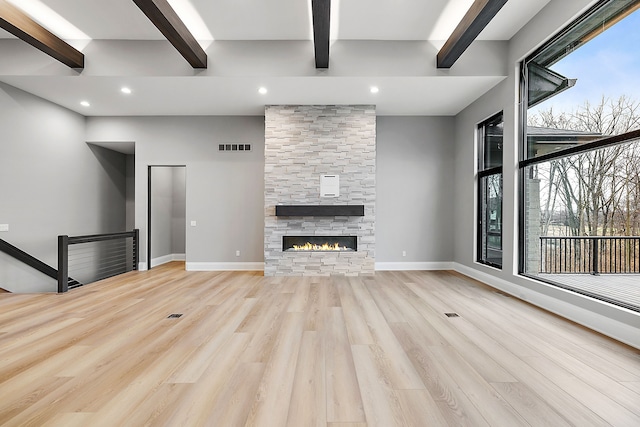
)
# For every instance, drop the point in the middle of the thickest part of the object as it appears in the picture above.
(599, 191)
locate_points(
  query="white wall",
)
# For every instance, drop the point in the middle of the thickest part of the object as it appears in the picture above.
(415, 181)
(51, 183)
(611, 320)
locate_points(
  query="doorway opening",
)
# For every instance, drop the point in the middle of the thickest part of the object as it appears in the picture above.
(166, 210)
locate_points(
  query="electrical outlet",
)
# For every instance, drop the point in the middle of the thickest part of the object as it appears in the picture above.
(237, 253)
(193, 223)
(404, 253)
(4, 227)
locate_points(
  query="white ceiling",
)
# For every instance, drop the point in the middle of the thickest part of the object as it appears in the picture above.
(385, 20)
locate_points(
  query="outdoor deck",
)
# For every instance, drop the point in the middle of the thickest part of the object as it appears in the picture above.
(622, 287)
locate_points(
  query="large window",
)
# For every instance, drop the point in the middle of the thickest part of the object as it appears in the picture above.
(580, 168)
(490, 191)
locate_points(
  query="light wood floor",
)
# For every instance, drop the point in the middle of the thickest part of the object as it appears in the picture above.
(338, 352)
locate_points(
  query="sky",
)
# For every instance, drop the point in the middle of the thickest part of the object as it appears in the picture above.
(609, 64)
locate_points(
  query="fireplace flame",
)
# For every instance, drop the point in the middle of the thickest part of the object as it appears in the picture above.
(323, 247)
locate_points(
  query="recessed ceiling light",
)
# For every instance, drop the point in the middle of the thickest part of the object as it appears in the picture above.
(262, 90)
(85, 103)
(374, 89)
(125, 90)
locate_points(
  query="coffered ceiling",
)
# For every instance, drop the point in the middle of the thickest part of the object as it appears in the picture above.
(390, 44)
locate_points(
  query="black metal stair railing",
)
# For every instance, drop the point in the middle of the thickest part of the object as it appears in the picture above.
(34, 262)
(95, 257)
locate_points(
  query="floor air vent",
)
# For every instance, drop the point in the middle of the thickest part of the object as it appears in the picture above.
(451, 314)
(174, 316)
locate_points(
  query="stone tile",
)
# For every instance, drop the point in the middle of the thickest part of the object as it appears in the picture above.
(301, 143)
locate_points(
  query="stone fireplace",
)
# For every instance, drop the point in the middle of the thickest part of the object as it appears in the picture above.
(302, 144)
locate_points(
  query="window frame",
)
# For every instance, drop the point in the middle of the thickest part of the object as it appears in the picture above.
(525, 161)
(482, 174)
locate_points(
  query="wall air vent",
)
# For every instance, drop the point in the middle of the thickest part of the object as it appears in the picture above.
(234, 147)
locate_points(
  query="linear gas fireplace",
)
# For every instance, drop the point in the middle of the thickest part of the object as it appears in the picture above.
(319, 243)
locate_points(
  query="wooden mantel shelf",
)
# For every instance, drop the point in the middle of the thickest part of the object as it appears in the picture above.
(320, 210)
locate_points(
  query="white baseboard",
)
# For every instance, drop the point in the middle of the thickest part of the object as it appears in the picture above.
(142, 266)
(225, 266)
(167, 258)
(391, 266)
(259, 266)
(621, 331)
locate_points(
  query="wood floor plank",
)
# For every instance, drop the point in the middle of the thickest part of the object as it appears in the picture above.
(413, 308)
(454, 405)
(530, 406)
(266, 332)
(298, 351)
(191, 368)
(493, 341)
(346, 424)
(318, 303)
(381, 404)
(344, 403)
(490, 404)
(608, 409)
(308, 406)
(419, 408)
(232, 408)
(391, 313)
(300, 297)
(22, 409)
(197, 401)
(632, 385)
(69, 419)
(156, 408)
(390, 358)
(355, 322)
(274, 392)
(569, 357)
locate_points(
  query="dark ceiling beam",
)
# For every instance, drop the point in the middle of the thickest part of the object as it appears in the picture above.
(22, 26)
(477, 17)
(162, 15)
(321, 22)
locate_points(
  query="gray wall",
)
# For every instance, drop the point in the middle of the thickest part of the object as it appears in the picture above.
(178, 211)
(225, 190)
(415, 181)
(161, 212)
(130, 192)
(51, 182)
